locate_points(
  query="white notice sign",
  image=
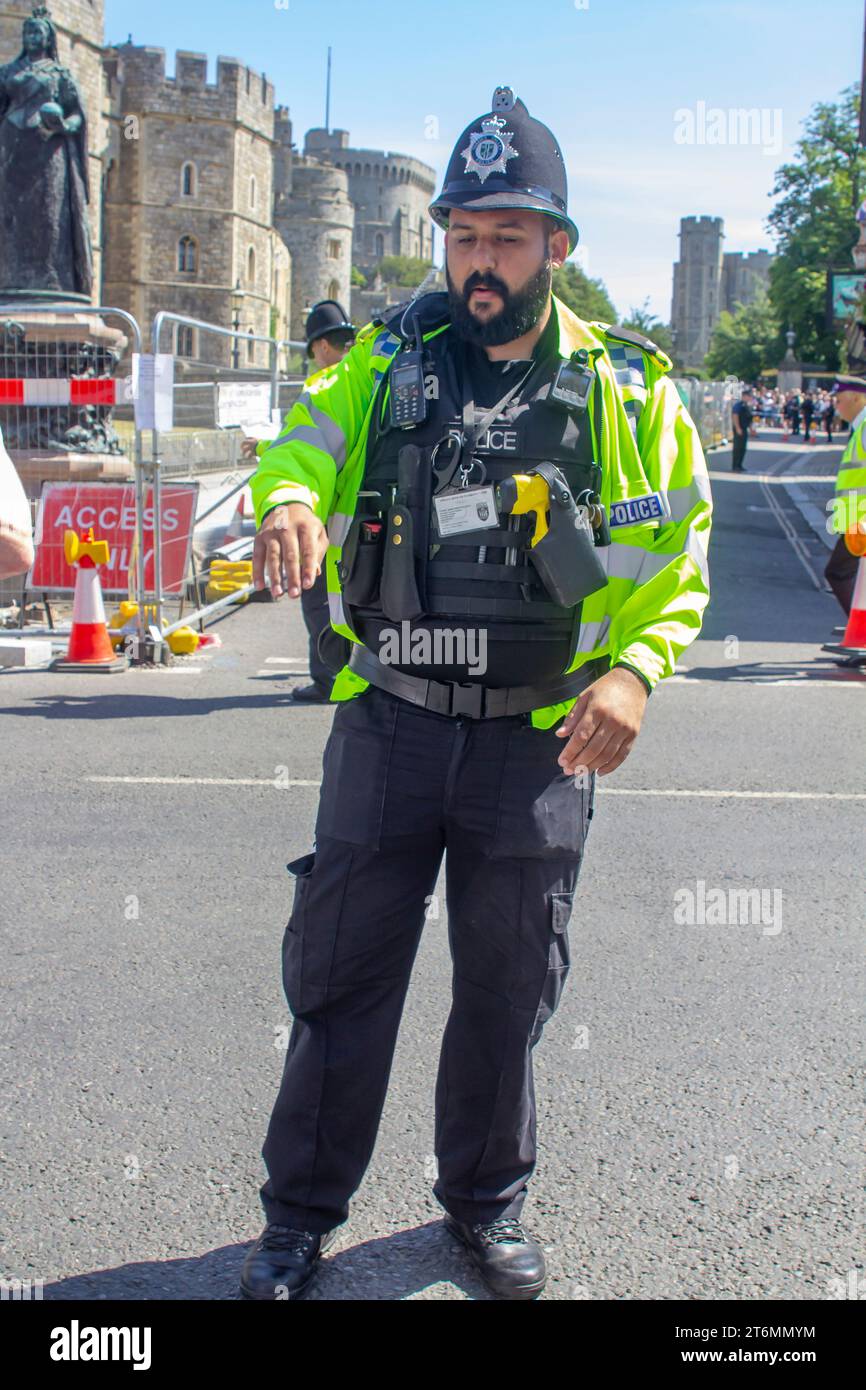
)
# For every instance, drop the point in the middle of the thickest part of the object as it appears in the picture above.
(153, 384)
(243, 403)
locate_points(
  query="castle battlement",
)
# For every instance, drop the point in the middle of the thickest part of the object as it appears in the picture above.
(238, 94)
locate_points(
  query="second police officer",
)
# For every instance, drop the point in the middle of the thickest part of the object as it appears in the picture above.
(514, 511)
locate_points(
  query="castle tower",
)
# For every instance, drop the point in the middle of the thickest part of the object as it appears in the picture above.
(189, 201)
(391, 193)
(80, 29)
(315, 217)
(697, 287)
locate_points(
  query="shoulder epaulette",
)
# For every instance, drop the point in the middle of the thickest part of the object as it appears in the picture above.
(628, 335)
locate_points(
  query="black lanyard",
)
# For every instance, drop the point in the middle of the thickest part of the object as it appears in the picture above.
(473, 429)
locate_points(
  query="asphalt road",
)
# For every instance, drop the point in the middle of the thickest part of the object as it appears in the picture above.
(699, 1089)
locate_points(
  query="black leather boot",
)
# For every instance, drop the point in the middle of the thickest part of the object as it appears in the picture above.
(282, 1263)
(509, 1261)
(314, 694)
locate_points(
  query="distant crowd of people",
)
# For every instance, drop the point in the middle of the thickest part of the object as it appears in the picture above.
(802, 413)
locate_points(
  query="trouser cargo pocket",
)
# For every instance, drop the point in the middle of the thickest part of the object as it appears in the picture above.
(293, 936)
(558, 960)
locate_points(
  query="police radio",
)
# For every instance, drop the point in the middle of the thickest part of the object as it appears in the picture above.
(408, 402)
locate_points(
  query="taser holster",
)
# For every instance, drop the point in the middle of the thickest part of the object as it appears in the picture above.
(566, 557)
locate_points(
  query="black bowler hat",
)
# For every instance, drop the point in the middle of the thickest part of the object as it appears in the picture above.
(325, 318)
(506, 159)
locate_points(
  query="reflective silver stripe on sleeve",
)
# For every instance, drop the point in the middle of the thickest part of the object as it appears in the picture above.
(593, 635)
(683, 499)
(335, 608)
(324, 434)
(633, 562)
(338, 527)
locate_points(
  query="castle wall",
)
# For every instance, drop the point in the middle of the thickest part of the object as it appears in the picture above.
(224, 131)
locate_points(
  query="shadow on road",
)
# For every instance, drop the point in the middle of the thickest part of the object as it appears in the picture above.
(389, 1268)
(143, 706)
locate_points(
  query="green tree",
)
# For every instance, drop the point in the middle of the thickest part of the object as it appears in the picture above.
(643, 320)
(586, 298)
(358, 278)
(745, 342)
(813, 222)
(403, 270)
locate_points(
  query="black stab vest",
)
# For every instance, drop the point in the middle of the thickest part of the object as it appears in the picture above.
(466, 580)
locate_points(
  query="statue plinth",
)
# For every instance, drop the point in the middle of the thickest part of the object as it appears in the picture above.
(39, 344)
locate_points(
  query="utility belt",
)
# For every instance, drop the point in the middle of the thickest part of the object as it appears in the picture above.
(386, 562)
(471, 700)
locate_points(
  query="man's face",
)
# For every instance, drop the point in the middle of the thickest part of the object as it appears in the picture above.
(499, 266)
(849, 404)
(327, 354)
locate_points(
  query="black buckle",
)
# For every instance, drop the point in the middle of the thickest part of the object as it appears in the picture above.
(468, 700)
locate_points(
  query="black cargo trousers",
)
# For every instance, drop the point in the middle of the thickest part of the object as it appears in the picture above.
(401, 785)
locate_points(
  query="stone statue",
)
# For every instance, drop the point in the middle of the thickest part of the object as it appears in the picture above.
(44, 186)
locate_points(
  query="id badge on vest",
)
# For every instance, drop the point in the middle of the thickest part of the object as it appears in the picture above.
(462, 509)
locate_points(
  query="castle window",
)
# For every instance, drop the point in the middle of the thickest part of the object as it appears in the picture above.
(188, 181)
(187, 254)
(366, 170)
(334, 249)
(333, 290)
(253, 191)
(251, 268)
(380, 244)
(251, 347)
(357, 168)
(184, 341)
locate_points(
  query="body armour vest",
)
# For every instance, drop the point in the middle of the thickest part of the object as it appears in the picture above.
(486, 616)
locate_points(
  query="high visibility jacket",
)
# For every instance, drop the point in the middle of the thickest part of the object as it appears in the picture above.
(849, 503)
(658, 579)
(314, 376)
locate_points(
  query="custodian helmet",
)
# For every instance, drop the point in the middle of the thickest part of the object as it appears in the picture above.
(506, 159)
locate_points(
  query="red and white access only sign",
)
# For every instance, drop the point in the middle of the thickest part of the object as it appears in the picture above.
(110, 509)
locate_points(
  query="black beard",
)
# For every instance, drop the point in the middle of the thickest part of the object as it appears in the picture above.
(519, 314)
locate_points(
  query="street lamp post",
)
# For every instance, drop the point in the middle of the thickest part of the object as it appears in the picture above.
(237, 304)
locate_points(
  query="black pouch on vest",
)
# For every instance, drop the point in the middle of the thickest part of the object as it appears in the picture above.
(407, 537)
(566, 558)
(361, 561)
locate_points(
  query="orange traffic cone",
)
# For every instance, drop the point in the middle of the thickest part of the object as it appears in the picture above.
(855, 632)
(90, 646)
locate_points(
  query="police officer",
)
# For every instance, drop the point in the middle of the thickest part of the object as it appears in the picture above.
(514, 511)
(849, 400)
(329, 335)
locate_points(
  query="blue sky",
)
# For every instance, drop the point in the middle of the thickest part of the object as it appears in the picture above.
(628, 87)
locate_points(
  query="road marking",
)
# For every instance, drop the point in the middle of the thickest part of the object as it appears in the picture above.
(281, 675)
(852, 682)
(606, 791)
(790, 534)
(206, 781)
(285, 660)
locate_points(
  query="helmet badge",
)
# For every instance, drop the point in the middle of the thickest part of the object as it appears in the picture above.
(489, 149)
